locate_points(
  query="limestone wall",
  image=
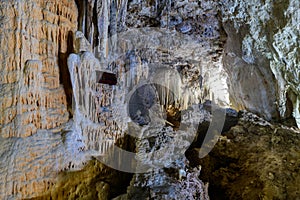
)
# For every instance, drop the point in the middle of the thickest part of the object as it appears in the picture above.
(33, 36)
(33, 39)
(262, 56)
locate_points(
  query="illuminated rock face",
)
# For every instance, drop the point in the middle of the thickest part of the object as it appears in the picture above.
(34, 34)
(262, 56)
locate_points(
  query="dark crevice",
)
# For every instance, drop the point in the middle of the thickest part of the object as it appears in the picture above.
(173, 116)
(212, 162)
(126, 143)
(145, 97)
(288, 119)
(209, 165)
(87, 19)
(95, 21)
(81, 14)
(64, 75)
(231, 119)
(112, 29)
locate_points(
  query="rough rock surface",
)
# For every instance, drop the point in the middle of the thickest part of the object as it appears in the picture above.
(255, 160)
(100, 110)
(198, 20)
(33, 104)
(262, 56)
(48, 65)
(169, 175)
(29, 166)
(34, 35)
(135, 55)
(93, 181)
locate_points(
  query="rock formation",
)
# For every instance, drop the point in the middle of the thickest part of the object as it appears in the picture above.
(33, 36)
(261, 162)
(170, 177)
(166, 59)
(262, 48)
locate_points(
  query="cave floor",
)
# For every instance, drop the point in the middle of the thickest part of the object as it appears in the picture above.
(255, 160)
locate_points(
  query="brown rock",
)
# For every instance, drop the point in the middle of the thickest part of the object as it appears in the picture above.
(32, 36)
(31, 40)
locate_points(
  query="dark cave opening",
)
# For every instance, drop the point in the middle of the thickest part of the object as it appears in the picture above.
(209, 164)
(212, 162)
(145, 100)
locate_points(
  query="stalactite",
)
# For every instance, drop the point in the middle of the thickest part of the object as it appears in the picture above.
(100, 20)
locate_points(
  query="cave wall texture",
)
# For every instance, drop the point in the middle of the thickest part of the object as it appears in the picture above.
(34, 35)
(262, 44)
(246, 53)
(262, 56)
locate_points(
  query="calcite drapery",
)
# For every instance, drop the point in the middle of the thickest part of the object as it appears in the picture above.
(33, 35)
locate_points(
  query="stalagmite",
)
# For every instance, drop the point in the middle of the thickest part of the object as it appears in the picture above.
(84, 79)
